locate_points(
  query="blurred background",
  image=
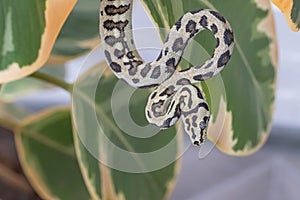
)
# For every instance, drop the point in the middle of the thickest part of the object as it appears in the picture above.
(272, 173)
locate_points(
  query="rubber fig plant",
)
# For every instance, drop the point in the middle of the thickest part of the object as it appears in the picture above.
(38, 37)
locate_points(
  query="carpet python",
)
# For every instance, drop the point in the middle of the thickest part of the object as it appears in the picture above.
(175, 95)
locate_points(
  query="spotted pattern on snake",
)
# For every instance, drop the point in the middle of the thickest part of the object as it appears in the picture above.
(175, 95)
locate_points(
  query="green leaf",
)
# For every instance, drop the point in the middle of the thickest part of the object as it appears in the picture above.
(13, 48)
(79, 34)
(28, 30)
(244, 110)
(291, 10)
(46, 152)
(11, 114)
(24, 87)
(107, 174)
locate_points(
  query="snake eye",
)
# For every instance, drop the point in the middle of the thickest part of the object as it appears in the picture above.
(203, 125)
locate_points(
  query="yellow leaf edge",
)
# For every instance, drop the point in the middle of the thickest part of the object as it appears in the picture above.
(286, 8)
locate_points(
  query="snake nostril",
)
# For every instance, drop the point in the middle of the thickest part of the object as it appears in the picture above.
(197, 143)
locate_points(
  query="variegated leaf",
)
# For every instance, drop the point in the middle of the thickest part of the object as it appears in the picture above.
(243, 111)
(28, 31)
(46, 151)
(108, 182)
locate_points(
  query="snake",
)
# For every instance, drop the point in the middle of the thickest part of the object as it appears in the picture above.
(174, 96)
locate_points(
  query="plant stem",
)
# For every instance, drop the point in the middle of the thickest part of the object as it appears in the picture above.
(51, 79)
(8, 124)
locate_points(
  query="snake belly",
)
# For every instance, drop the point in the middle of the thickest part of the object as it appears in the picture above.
(175, 95)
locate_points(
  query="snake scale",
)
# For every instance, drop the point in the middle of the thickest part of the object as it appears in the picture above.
(175, 95)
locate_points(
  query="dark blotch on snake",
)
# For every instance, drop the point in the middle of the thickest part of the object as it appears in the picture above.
(203, 105)
(194, 119)
(135, 80)
(191, 28)
(217, 15)
(202, 77)
(217, 42)
(228, 37)
(224, 58)
(178, 45)
(110, 25)
(108, 57)
(156, 73)
(183, 81)
(112, 10)
(145, 70)
(119, 53)
(111, 40)
(203, 22)
(187, 121)
(132, 71)
(115, 67)
(130, 55)
(171, 63)
(214, 28)
(178, 24)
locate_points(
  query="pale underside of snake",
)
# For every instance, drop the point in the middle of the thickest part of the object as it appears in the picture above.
(175, 95)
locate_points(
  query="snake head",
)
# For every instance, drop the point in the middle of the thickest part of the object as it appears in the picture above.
(198, 135)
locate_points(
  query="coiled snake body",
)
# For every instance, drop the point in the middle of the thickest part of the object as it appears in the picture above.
(175, 96)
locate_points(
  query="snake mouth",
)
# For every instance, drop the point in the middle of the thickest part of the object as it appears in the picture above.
(197, 143)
